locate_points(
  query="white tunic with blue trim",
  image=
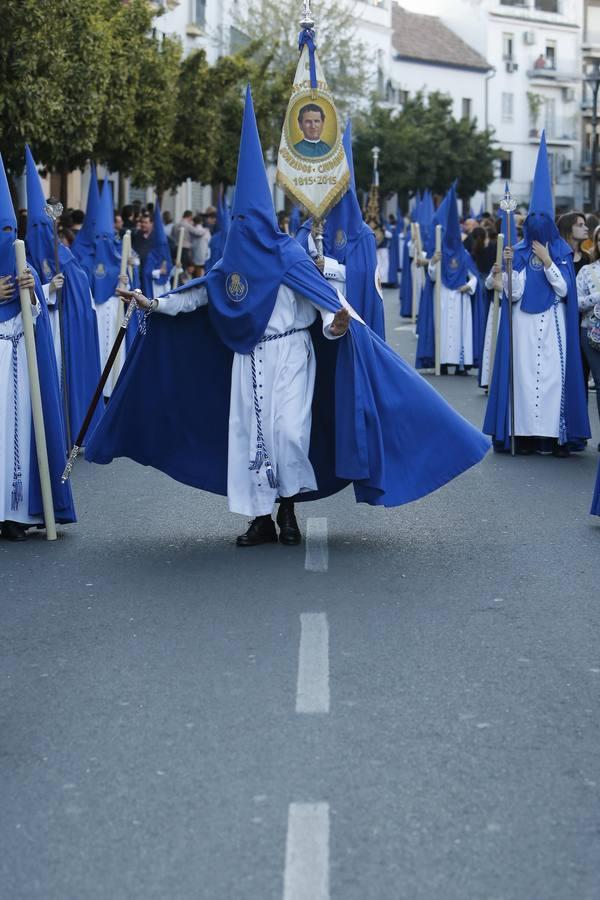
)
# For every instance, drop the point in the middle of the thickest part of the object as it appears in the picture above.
(538, 374)
(285, 378)
(9, 428)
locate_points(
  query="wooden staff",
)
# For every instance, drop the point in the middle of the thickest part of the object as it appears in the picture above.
(416, 257)
(437, 293)
(98, 392)
(495, 310)
(26, 297)
(178, 256)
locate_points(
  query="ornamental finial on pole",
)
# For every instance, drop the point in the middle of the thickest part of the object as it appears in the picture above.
(307, 21)
(508, 204)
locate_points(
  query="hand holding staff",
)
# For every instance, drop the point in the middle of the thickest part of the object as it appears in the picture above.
(27, 297)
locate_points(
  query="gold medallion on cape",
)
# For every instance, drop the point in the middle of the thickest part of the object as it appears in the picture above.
(311, 167)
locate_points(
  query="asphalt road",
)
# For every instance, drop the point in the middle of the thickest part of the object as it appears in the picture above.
(172, 729)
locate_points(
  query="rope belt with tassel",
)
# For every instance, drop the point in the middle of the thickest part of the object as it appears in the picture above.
(17, 485)
(262, 454)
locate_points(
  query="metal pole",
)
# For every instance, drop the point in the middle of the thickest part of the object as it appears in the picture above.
(509, 205)
(438, 302)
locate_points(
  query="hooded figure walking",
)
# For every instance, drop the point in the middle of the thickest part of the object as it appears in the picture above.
(273, 388)
(550, 402)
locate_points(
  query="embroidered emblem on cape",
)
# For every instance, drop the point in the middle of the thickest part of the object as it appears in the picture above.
(236, 287)
(100, 270)
(46, 268)
(454, 263)
(535, 262)
(340, 239)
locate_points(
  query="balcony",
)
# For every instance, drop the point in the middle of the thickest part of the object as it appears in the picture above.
(558, 131)
(545, 71)
(591, 42)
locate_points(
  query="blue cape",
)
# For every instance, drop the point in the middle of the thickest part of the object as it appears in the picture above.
(406, 282)
(394, 256)
(497, 419)
(595, 510)
(375, 421)
(80, 329)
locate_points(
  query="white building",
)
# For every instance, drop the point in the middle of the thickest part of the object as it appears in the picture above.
(534, 47)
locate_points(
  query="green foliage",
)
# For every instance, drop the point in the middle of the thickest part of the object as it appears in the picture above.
(424, 147)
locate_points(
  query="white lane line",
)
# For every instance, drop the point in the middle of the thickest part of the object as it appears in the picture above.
(307, 852)
(317, 554)
(312, 691)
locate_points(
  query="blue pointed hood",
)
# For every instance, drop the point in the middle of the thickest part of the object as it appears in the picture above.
(40, 230)
(243, 285)
(253, 197)
(159, 257)
(344, 222)
(538, 295)
(105, 218)
(8, 235)
(85, 237)
(455, 259)
(425, 217)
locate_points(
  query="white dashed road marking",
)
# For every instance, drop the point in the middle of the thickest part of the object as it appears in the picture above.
(307, 852)
(317, 554)
(312, 692)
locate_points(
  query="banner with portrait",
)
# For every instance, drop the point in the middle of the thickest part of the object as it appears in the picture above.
(311, 167)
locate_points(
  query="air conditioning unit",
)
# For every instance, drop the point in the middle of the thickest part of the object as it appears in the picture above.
(568, 94)
(529, 37)
(511, 66)
(565, 165)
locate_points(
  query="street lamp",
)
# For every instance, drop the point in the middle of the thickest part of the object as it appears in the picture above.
(375, 151)
(593, 79)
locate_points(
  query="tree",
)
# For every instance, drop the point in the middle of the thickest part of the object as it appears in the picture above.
(53, 70)
(272, 28)
(422, 147)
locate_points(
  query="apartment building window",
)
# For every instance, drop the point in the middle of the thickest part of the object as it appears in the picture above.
(513, 3)
(550, 116)
(505, 159)
(199, 13)
(551, 6)
(402, 97)
(507, 107)
(550, 54)
(466, 107)
(508, 43)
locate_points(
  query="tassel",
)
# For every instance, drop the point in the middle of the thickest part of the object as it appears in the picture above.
(258, 461)
(271, 475)
(17, 494)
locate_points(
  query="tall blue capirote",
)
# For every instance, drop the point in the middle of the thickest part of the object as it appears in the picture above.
(80, 329)
(86, 236)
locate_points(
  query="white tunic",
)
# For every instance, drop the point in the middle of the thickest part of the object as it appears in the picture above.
(487, 344)
(109, 316)
(285, 376)
(537, 364)
(7, 422)
(456, 326)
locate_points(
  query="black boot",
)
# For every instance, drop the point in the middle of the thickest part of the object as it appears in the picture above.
(261, 531)
(289, 533)
(12, 531)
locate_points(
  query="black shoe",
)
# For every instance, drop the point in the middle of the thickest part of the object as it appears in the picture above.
(261, 531)
(458, 371)
(289, 533)
(561, 450)
(12, 531)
